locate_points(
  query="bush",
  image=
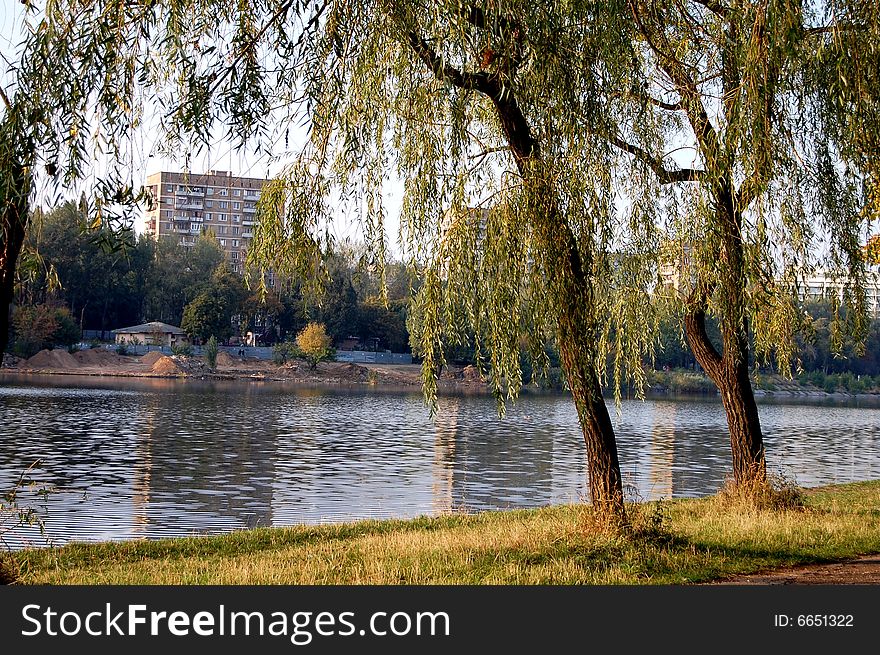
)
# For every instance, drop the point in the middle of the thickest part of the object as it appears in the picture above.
(211, 351)
(184, 350)
(43, 326)
(314, 343)
(121, 349)
(285, 352)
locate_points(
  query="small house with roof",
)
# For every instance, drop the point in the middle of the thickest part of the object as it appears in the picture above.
(155, 333)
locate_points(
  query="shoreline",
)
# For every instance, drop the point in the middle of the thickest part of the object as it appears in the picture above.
(662, 384)
(715, 539)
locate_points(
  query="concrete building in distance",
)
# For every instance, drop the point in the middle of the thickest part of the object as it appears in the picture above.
(822, 285)
(152, 334)
(187, 203)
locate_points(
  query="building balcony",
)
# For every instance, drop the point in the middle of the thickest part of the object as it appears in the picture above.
(247, 235)
(189, 204)
(251, 196)
(249, 210)
(247, 222)
(183, 217)
(191, 191)
(195, 230)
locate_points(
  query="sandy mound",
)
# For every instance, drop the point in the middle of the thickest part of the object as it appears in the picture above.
(349, 372)
(52, 359)
(166, 366)
(98, 357)
(470, 374)
(224, 359)
(152, 357)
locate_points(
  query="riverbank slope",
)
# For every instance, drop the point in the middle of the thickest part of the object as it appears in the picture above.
(675, 542)
(102, 362)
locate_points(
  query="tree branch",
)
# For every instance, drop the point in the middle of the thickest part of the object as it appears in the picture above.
(715, 7)
(445, 73)
(664, 175)
(703, 129)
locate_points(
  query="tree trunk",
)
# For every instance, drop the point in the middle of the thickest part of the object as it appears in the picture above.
(568, 280)
(730, 369)
(730, 373)
(14, 192)
(570, 291)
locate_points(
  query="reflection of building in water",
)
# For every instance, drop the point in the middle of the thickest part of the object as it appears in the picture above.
(443, 468)
(662, 452)
(143, 469)
(205, 463)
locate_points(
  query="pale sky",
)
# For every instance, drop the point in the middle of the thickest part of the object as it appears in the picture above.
(220, 156)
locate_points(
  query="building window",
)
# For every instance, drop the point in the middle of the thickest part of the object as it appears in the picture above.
(223, 204)
(221, 217)
(236, 218)
(169, 188)
(236, 205)
(235, 243)
(208, 216)
(223, 243)
(223, 229)
(210, 191)
(166, 213)
(209, 203)
(234, 256)
(235, 230)
(236, 192)
(168, 200)
(224, 192)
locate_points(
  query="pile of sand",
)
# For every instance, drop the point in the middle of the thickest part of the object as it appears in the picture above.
(152, 357)
(52, 359)
(98, 357)
(224, 359)
(349, 372)
(470, 374)
(166, 366)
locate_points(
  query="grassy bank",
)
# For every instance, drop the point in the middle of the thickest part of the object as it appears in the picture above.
(677, 542)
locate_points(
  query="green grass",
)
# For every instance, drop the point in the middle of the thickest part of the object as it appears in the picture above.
(682, 541)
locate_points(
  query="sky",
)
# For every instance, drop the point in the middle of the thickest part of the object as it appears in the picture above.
(221, 155)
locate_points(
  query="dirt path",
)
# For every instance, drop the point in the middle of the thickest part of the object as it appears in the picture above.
(862, 570)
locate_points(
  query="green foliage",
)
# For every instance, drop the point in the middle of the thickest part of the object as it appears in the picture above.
(284, 352)
(211, 351)
(43, 326)
(182, 350)
(122, 349)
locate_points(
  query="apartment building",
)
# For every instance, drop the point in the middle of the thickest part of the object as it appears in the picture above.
(185, 204)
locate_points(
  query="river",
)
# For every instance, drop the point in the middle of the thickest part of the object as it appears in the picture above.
(127, 458)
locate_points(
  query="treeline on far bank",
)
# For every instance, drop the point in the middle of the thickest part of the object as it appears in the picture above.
(72, 279)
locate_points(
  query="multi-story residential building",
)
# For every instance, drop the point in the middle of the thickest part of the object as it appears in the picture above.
(823, 285)
(185, 204)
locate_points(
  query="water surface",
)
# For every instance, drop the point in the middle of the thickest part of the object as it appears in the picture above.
(151, 458)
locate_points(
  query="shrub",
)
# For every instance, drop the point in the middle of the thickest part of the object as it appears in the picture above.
(211, 351)
(284, 352)
(314, 343)
(184, 350)
(121, 349)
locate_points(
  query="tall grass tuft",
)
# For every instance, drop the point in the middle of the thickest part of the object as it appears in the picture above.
(776, 493)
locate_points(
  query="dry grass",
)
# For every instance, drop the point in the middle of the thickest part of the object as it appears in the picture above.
(672, 542)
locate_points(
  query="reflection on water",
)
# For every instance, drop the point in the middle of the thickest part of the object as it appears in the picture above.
(152, 458)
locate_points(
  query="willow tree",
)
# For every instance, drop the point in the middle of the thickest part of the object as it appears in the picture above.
(69, 99)
(16, 157)
(507, 209)
(766, 104)
(474, 106)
